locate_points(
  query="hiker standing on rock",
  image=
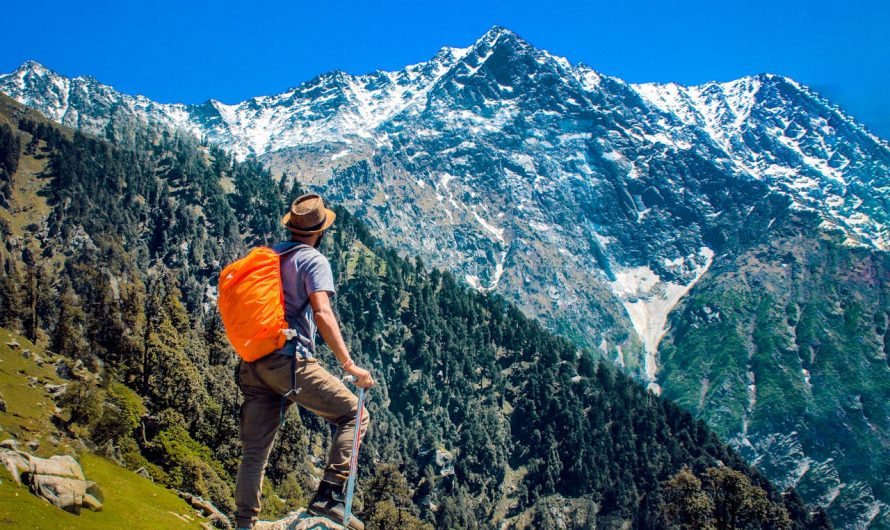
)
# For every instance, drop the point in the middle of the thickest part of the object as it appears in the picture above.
(291, 374)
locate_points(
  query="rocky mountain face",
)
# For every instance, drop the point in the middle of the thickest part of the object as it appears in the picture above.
(597, 205)
(782, 349)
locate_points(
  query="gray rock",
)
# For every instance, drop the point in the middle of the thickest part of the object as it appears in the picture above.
(60, 480)
(207, 509)
(112, 452)
(88, 444)
(9, 443)
(63, 370)
(2, 404)
(299, 520)
(55, 391)
(66, 493)
(14, 344)
(91, 503)
(218, 520)
(60, 466)
(33, 445)
(14, 462)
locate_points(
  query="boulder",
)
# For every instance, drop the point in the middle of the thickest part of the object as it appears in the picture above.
(63, 370)
(207, 509)
(66, 493)
(91, 503)
(9, 443)
(14, 462)
(58, 479)
(14, 344)
(299, 520)
(59, 466)
(55, 391)
(2, 404)
(80, 371)
(218, 520)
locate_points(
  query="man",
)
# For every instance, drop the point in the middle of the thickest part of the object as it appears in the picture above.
(292, 375)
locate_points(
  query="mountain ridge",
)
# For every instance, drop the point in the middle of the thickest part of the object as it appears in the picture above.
(255, 127)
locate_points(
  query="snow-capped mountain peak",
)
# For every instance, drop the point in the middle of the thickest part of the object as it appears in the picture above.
(769, 127)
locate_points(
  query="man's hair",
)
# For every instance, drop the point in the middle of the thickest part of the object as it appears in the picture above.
(305, 239)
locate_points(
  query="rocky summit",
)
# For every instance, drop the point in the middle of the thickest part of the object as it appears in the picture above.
(597, 205)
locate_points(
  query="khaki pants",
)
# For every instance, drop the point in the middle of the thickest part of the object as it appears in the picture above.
(263, 383)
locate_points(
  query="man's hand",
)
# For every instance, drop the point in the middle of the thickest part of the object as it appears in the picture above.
(362, 377)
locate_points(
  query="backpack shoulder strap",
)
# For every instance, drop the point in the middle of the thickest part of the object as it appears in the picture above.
(293, 250)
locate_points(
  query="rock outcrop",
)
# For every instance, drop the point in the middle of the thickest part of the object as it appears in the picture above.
(58, 479)
(299, 520)
(207, 509)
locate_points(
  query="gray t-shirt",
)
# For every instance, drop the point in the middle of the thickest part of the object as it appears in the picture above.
(304, 270)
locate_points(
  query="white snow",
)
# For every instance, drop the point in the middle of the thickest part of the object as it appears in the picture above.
(808, 163)
(648, 300)
(476, 283)
(614, 156)
(619, 359)
(498, 233)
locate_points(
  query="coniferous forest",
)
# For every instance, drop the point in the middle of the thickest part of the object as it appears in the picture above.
(481, 415)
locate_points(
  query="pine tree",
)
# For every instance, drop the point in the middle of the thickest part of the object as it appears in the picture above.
(740, 504)
(686, 505)
(69, 338)
(169, 377)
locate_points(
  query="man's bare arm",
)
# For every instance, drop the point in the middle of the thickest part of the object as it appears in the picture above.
(329, 329)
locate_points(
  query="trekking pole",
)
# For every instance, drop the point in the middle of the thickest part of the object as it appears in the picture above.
(353, 461)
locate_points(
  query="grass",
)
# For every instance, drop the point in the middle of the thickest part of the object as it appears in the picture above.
(27, 205)
(131, 501)
(29, 409)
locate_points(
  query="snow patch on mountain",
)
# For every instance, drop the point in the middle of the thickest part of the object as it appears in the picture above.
(648, 301)
(767, 126)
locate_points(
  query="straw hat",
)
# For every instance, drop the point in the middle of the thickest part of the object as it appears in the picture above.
(308, 215)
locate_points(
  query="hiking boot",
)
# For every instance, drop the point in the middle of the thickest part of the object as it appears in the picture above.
(329, 502)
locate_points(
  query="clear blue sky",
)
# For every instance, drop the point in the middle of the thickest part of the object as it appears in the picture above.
(190, 51)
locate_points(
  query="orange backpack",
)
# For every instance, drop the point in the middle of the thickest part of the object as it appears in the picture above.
(251, 303)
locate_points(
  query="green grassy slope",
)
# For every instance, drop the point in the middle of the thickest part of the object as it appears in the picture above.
(131, 501)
